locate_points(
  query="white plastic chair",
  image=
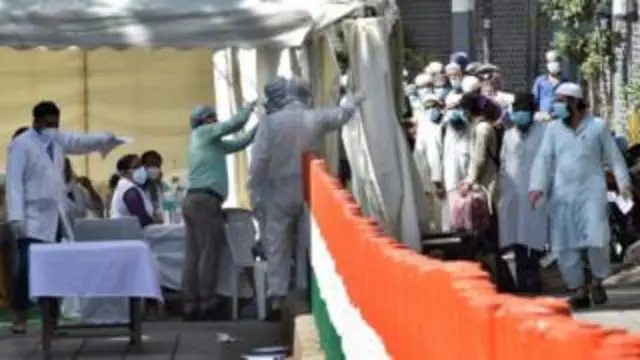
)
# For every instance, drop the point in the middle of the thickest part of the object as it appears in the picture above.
(242, 234)
(106, 311)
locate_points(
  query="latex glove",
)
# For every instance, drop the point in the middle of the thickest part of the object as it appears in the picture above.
(541, 116)
(113, 142)
(352, 100)
(18, 229)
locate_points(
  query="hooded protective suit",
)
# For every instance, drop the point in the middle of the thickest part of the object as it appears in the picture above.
(291, 128)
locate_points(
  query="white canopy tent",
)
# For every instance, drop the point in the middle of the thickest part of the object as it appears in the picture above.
(164, 23)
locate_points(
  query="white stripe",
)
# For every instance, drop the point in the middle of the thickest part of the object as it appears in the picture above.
(359, 340)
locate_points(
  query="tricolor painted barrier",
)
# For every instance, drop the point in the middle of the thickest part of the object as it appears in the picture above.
(375, 299)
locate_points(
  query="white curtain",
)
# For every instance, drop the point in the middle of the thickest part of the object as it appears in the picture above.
(385, 180)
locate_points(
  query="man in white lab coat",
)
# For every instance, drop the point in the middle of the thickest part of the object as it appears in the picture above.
(569, 172)
(521, 227)
(36, 190)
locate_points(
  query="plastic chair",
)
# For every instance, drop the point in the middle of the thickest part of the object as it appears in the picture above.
(242, 236)
(97, 310)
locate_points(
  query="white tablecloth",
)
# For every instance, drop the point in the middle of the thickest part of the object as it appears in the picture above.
(93, 269)
(167, 245)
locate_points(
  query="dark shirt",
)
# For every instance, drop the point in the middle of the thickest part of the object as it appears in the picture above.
(135, 204)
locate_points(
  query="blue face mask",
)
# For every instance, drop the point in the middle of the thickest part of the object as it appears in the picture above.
(560, 111)
(140, 176)
(522, 119)
(432, 114)
(457, 118)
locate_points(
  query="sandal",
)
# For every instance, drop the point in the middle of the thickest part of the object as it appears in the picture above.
(18, 329)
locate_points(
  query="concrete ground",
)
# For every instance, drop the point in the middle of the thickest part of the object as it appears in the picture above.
(622, 310)
(163, 341)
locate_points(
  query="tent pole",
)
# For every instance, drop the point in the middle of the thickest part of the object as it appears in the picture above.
(85, 102)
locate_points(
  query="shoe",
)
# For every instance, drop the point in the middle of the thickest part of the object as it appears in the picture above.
(19, 325)
(599, 294)
(274, 315)
(580, 302)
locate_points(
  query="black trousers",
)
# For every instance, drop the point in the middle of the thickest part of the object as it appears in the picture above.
(528, 277)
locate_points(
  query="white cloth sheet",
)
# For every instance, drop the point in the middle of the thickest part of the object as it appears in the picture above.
(167, 246)
(93, 269)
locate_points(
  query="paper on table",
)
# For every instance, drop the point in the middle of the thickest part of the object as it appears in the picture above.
(625, 205)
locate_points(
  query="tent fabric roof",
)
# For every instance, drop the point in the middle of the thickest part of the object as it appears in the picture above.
(164, 23)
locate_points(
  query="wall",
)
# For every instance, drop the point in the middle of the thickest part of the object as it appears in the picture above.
(143, 94)
(520, 34)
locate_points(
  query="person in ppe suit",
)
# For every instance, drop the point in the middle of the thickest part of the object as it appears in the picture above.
(521, 227)
(568, 172)
(426, 155)
(290, 128)
(36, 190)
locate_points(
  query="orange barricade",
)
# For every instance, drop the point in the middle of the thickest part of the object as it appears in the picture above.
(427, 309)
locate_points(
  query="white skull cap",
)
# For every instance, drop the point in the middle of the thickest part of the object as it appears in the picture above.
(423, 80)
(470, 84)
(570, 89)
(452, 67)
(552, 55)
(452, 100)
(434, 67)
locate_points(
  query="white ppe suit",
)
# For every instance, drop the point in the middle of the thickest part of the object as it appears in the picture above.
(569, 170)
(275, 179)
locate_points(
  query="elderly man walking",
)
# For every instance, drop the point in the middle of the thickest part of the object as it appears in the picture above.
(202, 206)
(569, 171)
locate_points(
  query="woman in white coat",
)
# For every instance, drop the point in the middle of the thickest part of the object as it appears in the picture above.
(522, 227)
(35, 190)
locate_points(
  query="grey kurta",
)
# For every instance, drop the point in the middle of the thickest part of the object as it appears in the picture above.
(519, 222)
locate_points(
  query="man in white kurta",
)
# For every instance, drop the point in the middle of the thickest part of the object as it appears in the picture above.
(427, 157)
(522, 227)
(569, 173)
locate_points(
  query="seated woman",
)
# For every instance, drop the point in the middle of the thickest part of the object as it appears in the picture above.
(78, 202)
(128, 197)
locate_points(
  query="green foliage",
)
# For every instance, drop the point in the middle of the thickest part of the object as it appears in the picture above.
(632, 92)
(578, 36)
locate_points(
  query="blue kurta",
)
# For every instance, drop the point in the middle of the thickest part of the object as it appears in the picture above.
(569, 169)
(544, 92)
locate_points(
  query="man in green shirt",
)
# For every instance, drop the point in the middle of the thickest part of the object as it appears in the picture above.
(202, 205)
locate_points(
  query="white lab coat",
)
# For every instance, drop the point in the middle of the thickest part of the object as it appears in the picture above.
(427, 157)
(35, 188)
(519, 223)
(569, 169)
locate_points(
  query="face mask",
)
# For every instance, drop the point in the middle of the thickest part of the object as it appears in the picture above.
(432, 115)
(153, 172)
(522, 119)
(553, 67)
(560, 111)
(457, 118)
(140, 176)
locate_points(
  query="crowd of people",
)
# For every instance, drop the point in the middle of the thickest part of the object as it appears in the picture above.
(42, 192)
(540, 156)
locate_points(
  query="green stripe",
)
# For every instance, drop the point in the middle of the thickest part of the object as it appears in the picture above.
(329, 338)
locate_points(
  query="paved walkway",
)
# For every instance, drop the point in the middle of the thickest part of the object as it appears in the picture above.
(163, 341)
(622, 311)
